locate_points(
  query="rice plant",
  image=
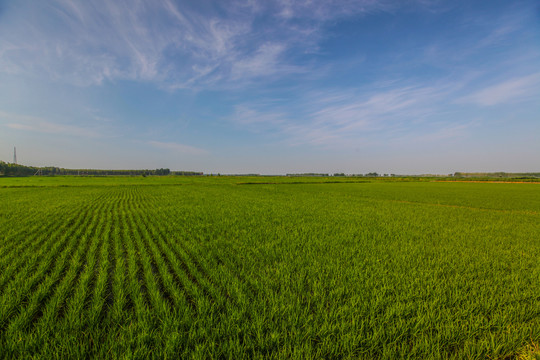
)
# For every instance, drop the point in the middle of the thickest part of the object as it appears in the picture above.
(237, 268)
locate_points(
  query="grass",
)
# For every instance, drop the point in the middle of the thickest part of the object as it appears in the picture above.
(206, 268)
(529, 352)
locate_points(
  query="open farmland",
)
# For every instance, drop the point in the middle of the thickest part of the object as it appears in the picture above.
(207, 268)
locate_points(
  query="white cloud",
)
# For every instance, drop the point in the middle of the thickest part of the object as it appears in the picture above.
(264, 62)
(345, 117)
(247, 116)
(36, 124)
(323, 10)
(90, 42)
(514, 90)
(444, 131)
(171, 44)
(359, 109)
(177, 147)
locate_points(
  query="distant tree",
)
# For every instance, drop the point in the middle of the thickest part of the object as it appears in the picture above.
(162, 171)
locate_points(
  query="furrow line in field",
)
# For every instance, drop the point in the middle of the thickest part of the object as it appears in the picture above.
(136, 229)
(61, 250)
(110, 265)
(171, 284)
(211, 285)
(74, 311)
(73, 314)
(158, 299)
(33, 256)
(119, 306)
(201, 280)
(137, 293)
(223, 284)
(149, 261)
(23, 237)
(42, 263)
(119, 311)
(124, 255)
(190, 290)
(27, 239)
(215, 277)
(100, 293)
(24, 217)
(47, 285)
(209, 259)
(53, 310)
(182, 278)
(132, 235)
(169, 288)
(189, 272)
(34, 309)
(138, 196)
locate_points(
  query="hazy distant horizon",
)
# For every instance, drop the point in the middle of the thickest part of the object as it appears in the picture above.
(276, 87)
(292, 172)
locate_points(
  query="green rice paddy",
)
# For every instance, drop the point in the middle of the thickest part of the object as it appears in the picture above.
(220, 267)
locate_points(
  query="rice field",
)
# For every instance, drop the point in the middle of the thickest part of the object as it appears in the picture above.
(224, 268)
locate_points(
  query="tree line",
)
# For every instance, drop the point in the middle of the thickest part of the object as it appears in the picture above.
(11, 169)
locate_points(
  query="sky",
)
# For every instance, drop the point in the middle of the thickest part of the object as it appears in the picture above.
(272, 87)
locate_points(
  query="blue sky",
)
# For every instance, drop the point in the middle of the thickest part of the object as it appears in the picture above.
(272, 87)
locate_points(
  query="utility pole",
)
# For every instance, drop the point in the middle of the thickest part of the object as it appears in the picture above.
(15, 155)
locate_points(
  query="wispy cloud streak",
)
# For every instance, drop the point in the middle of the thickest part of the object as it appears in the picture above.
(172, 44)
(514, 90)
(347, 117)
(36, 124)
